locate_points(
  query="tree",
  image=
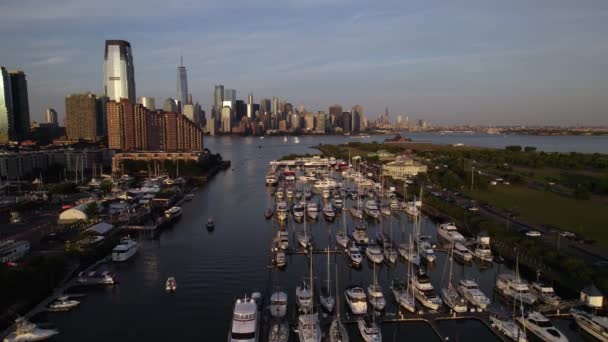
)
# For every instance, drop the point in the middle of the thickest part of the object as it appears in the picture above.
(529, 149)
(106, 186)
(513, 148)
(92, 210)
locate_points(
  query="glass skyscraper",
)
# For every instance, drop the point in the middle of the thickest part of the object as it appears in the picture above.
(6, 107)
(182, 83)
(119, 75)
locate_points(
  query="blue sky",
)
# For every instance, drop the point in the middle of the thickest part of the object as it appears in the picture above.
(487, 62)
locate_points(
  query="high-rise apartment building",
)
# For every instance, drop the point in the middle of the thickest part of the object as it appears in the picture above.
(6, 107)
(119, 75)
(127, 127)
(50, 116)
(182, 83)
(148, 102)
(81, 116)
(21, 107)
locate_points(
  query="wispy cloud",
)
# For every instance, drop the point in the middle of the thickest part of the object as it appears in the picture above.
(50, 61)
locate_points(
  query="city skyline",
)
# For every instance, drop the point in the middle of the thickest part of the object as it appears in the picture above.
(477, 63)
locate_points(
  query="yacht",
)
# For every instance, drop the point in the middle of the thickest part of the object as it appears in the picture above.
(390, 253)
(449, 232)
(327, 300)
(338, 203)
(11, 250)
(412, 210)
(189, 197)
(514, 288)
(471, 292)
(125, 249)
(541, 327)
(409, 254)
(171, 285)
(545, 293)
(329, 213)
(298, 212)
(303, 239)
(462, 253)
(426, 250)
(244, 325)
(173, 213)
(289, 174)
(26, 331)
(588, 320)
(281, 211)
(356, 212)
(289, 193)
(326, 194)
(393, 203)
(63, 303)
(424, 291)
(304, 296)
(360, 235)
(403, 297)
(312, 210)
(371, 209)
(325, 184)
(309, 329)
(482, 249)
(280, 258)
(337, 332)
(278, 304)
(271, 179)
(356, 300)
(280, 193)
(279, 332)
(450, 295)
(283, 237)
(509, 328)
(97, 278)
(354, 255)
(374, 254)
(369, 330)
(376, 297)
(342, 238)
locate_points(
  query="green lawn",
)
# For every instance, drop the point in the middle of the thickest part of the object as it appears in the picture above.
(586, 217)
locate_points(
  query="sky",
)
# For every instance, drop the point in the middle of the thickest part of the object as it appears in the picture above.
(533, 62)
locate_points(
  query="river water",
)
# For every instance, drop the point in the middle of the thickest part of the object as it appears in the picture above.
(212, 269)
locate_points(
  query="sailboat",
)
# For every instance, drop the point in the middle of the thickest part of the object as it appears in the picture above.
(337, 330)
(370, 332)
(309, 329)
(403, 293)
(327, 300)
(342, 236)
(450, 295)
(303, 237)
(375, 295)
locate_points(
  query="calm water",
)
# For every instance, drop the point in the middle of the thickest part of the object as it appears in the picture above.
(212, 269)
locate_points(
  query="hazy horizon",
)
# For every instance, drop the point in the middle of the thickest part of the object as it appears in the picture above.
(469, 62)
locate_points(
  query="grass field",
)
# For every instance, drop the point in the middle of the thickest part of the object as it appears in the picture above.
(586, 217)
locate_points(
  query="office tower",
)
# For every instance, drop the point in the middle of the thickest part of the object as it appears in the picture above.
(170, 105)
(226, 119)
(194, 113)
(321, 123)
(346, 122)
(275, 105)
(399, 120)
(288, 108)
(21, 108)
(148, 102)
(309, 122)
(6, 107)
(256, 110)
(189, 100)
(119, 75)
(240, 110)
(50, 116)
(386, 119)
(101, 114)
(250, 112)
(182, 83)
(335, 115)
(265, 106)
(357, 114)
(218, 99)
(81, 116)
(229, 95)
(295, 121)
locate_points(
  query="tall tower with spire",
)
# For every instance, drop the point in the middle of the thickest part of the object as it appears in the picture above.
(182, 82)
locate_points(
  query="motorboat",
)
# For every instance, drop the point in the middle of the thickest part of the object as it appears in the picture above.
(279, 332)
(338, 203)
(271, 179)
(482, 249)
(412, 210)
(354, 194)
(282, 211)
(173, 213)
(588, 320)
(309, 329)
(470, 291)
(326, 183)
(304, 296)
(63, 303)
(298, 212)
(541, 327)
(369, 330)
(280, 193)
(386, 211)
(298, 194)
(514, 288)
(27, 331)
(327, 300)
(289, 174)
(329, 213)
(545, 293)
(403, 296)
(307, 194)
(325, 193)
(376, 297)
(354, 255)
(426, 249)
(171, 285)
(371, 209)
(245, 319)
(189, 197)
(283, 239)
(356, 213)
(424, 290)
(312, 210)
(97, 278)
(409, 254)
(374, 254)
(393, 203)
(278, 304)
(449, 232)
(280, 258)
(356, 300)
(210, 223)
(337, 331)
(289, 193)
(125, 249)
(360, 235)
(508, 328)
(268, 213)
(390, 253)
(462, 253)
(342, 238)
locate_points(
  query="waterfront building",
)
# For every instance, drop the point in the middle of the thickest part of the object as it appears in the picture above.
(240, 110)
(50, 116)
(402, 168)
(186, 156)
(127, 125)
(119, 74)
(21, 107)
(6, 107)
(81, 116)
(346, 122)
(170, 105)
(148, 102)
(182, 83)
(282, 125)
(295, 121)
(102, 116)
(288, 108)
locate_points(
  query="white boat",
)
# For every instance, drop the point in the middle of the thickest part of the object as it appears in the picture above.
(289, 193)
(26, 331)
(282, 211)
(409, 254)
(426, 249)
(304, 296)
(412, 210)
(390, 253)
(360, 235)
(11, 250)
(508, 328)
(386, 211)
(342, 239)
(280, 193)
(541, 327)
(312, 210)
(280, 258)
(173, 213)
(588, 320)
(470, 291)
(96, 278)
(283, 238)
(285, 139)
(309, 329)
(171, 285)
(376, 297)
(369, 330)
(278, 304)
(325, 193)
(338, 203)
(371, 209)
(545, 293)
(329, 213)
(245, 318)
(189, 197)
(298, 212)
(63, 303)
(424, 291)
(374, 254)
(326, 183)
(337, 330)
(279, 332)
(449, 232)
(482, 249)
(450, 295)
(271, 179)
(404, 297)
(125, 249)
(296, 140)
(356, 213)
(356, 300)
(393, 203)
(325, 297)
(354, 255)
(462, 253)
(514, 288)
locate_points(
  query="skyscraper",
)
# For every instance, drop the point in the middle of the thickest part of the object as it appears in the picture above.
(170, 105)
(230, 95)
(148, 102)
(51, 116)
(182, 83)
(250, 112)
(101, 114)
(357, 115)
(6, 107)
(21, 107)
(81, 116)
(265, 106)
(218, 100)
(119, 75)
